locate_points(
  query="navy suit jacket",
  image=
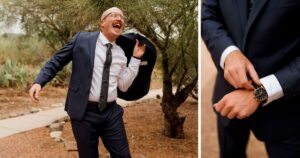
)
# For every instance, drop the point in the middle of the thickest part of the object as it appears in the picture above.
(270, 38)
(81, 50)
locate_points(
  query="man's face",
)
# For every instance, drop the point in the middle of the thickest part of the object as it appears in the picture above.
(113, 25)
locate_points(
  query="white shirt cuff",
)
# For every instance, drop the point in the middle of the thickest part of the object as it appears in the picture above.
(272, 87)
(225, 53)
(134, 61)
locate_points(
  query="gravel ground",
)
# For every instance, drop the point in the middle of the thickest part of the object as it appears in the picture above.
(15, 102)
(144, 125)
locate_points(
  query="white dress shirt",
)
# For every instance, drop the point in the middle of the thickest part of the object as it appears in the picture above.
(120, 75)
(270, 82)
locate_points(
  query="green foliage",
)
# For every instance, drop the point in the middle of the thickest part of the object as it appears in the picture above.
(54, 21)
(13, 74)
(172, 27)
(23, 49)
(21, 59)
(16, 75)
(62, 78)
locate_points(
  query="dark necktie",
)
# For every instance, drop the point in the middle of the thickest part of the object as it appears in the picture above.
(105, 79)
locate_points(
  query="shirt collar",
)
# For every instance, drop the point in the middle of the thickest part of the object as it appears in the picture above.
(104, 40)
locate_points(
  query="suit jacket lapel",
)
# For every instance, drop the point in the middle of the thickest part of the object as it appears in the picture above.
(257, 8)
(92, 47)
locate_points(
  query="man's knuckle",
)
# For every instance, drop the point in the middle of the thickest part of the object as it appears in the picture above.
(239, 117)
(234, 111)
(242, 115)
(226, 75)
(231, 70)
(230, 116)
(244, 83)
(222, 114)
(230, 105)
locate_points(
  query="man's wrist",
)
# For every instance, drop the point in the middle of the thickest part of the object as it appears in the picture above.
(226, 52)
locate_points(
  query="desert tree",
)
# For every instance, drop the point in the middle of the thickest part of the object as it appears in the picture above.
(172, 27)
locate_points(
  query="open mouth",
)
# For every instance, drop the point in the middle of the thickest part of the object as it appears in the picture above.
(117, 25)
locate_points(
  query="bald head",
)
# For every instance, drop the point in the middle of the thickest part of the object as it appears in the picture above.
(109, 11)
(112, 23)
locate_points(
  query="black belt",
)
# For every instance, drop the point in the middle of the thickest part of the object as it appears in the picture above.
(93, 103)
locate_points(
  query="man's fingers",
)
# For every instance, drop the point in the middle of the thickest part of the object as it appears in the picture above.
(34, 96)
(219, 105)
(34, 93)
(144, 47)
(226, 110)
(253, 74)
(241, 116)
(31, 93)
(232, 114)
(238, 77)
(243, 80)
(137, 42)
(230, 79)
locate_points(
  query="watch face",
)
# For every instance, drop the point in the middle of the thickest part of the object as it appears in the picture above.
(261, 94)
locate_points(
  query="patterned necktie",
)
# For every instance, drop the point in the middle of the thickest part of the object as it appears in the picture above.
(105, 79)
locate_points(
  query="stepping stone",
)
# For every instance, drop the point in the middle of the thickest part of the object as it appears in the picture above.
(55, 134)
(56, 127)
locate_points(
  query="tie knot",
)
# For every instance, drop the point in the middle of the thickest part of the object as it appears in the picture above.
(109, 45)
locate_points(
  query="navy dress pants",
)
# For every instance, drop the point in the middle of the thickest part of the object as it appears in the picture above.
(108, 125)
(233, 140)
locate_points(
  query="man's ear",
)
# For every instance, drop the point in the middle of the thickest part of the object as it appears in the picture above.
(100, 24)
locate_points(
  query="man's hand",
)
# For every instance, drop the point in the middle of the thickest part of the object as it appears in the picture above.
(139, 50)
(237, 68)
(34, 92)
(239, 103)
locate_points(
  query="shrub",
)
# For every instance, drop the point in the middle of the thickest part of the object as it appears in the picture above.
(26, 50)
(62, 78)
(13, 74)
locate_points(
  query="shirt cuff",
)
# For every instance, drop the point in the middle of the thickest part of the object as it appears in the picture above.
(273, 88)
(136, 57)
(225, 53)
(134, 62)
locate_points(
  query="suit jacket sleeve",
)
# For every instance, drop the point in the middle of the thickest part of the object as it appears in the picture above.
(289, 78)
(57, 62)
(213, 30)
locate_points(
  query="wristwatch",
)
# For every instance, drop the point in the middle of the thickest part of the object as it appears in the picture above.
(261, 94)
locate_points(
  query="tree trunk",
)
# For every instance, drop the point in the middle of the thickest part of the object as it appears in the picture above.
(194, 92)
(173, 122)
